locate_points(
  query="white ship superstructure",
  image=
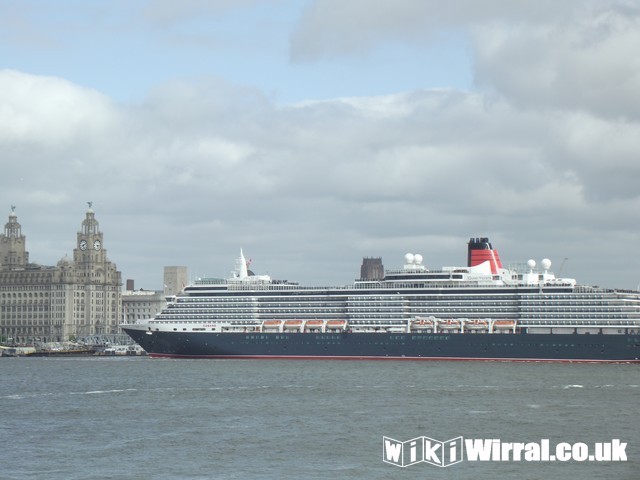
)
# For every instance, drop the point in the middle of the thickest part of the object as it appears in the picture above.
(482, 297)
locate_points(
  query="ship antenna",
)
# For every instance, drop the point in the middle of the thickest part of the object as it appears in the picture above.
(242, 267)
(564, 260)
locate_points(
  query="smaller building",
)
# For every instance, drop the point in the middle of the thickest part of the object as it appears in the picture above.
(141, 304)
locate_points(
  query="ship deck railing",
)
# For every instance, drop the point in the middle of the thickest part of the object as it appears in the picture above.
(368, 285)
(579, 324)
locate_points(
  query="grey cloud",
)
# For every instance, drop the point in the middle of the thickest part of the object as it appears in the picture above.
(335, 27)
(588, 63)
(572, 55)
(201, 168)
(167, 12)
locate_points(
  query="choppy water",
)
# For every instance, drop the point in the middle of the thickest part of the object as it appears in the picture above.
(141, 418)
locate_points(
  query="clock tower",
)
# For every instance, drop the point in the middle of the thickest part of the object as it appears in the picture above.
(13, 255)
(89, 251)
(96, 296)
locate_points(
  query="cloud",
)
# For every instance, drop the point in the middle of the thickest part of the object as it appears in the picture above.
(586, 63)
(334, 27)
(573, 55)
(166, 12)
(51, 110)
(541, 156)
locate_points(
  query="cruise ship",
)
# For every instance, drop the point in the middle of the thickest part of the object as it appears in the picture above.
(481, 311)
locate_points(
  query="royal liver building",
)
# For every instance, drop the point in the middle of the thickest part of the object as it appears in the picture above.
(79, 297)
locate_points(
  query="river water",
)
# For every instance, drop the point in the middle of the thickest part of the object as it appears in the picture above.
(142, 418)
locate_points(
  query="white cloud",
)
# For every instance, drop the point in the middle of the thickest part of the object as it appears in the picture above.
(51, 110)
(542, 158)
(589, 62)
(568, 55)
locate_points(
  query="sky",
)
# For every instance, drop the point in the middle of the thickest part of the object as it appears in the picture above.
(313, 133)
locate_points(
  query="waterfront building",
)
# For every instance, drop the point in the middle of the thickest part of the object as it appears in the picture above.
(78, 297)
(141, 304)
(144, 304)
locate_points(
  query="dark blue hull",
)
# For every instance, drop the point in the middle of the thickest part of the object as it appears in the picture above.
(426, 346)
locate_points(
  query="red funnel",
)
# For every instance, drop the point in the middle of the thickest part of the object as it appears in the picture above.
(480, 251)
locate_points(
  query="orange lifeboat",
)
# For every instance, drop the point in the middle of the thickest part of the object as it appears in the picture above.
(449, 324)
(293, 324)
(337, 324)
(476, 324)
(314, 324)
(421, 323)
(271, 324)
(504, 323)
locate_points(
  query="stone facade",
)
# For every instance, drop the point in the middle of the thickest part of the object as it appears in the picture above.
(79, 297)
(142, 304)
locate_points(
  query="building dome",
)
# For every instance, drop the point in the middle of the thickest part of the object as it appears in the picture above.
(65, 261)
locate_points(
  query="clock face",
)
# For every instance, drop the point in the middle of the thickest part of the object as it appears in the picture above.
(97, 245)
(83, 244)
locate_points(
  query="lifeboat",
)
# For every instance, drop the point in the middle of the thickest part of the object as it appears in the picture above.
(271, 324)
(476, 324)
(422, 323)
(449, 324)
(314, 324)
(504, 323)
(293, 324)
(337, 324)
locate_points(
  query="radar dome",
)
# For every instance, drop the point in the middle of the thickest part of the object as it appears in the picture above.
(531, 263)
(546, 263)
(408, 258)
(417, 258)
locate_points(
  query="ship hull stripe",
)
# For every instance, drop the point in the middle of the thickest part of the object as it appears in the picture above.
(346, 357)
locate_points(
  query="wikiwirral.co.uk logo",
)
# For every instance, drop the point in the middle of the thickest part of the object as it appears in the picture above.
(444, 454)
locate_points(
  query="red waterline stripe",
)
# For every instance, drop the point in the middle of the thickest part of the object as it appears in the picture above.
(344, 357)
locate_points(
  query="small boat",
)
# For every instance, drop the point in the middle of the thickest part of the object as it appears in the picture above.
(337, 325)
(449, 324)
(504, 325)
(421, 323)
(123, 350)
(271, 323)
(293, 324)
(476, 324)
(314, 324)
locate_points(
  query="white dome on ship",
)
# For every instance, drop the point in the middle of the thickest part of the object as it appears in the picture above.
(409, 258)
(546, 263)
(531, 263)
(417, 258)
